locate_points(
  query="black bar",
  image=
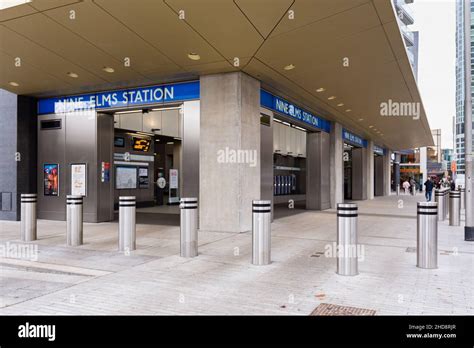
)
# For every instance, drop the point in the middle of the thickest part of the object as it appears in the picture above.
(262, 211)
(427, 213)
(348, 215)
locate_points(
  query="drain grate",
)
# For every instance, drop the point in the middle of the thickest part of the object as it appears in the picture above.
(410, 250)
(327, 309)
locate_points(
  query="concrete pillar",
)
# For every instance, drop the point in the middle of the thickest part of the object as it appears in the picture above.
(359, 173)
(336, 165)
(387, 173)
(18, 144)
(370, 169)
(229, 153)
(317, 172)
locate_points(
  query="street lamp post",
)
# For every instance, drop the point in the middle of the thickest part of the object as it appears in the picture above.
(469, 226)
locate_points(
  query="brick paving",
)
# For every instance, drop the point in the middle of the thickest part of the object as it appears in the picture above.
(96, 279)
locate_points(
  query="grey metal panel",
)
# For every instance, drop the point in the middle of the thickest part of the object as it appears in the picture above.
(105, 147)
(379, 177)
(359, 177)
(190, 149)
(325, 170)
(51, 149)
(6, 201)
(266, 158)
(81, 147)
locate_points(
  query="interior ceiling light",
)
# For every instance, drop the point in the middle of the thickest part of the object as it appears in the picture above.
(361, 119)
(4, 4)
(348, 110)
(340, 104)
(331, 97)
(289, 67)
(108, 69)
(194, 56)
(321, 89)
(13, 83)
(371, 126)
(73, 75)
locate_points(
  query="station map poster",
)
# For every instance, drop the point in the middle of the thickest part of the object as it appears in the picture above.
(79, 179)
(126, 178)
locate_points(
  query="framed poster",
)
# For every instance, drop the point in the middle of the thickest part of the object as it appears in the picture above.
(143, 180)
(79, 179)
(51, 179)
(126, 178)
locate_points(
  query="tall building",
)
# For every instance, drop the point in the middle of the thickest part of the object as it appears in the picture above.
(405, 19)
(459, 121)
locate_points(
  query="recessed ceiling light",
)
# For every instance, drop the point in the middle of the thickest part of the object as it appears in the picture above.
(289, 67)
(371, 126)
(108, 69)
(331, 97)
(348, 110)
(321, 89)
(194, 56)
(13, 83)
(361, 119)
(73, 75)
(340, 104)
(169, 143)
(12, 3)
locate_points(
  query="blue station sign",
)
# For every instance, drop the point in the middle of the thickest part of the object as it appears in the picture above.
(121, 98)
(353, 139)
(284, 107)
(379, 150)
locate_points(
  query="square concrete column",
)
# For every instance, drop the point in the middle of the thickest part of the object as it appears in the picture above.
(359, 173)
(387, 173)
(336, 165)
(229, 154)
(370, 169)
(317, 172)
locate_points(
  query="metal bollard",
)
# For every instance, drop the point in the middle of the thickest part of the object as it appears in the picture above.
(74, 219)
(439, 198)
(427, 235)
(28, 217)
(455, 208)
(347, 239)
(127, 227)
(462, 190)
(446, 203)
(261, 232)
(189, 227)
(398, 189)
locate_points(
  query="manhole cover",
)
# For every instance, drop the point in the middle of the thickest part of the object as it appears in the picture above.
(411, 250)
(332, 310)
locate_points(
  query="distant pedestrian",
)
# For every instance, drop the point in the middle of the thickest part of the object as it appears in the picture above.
(413, 186)
(406, 186)
(429, 189)
(453, 185)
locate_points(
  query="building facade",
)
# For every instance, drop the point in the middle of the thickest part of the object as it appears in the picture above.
(460, 87)
(243, 111)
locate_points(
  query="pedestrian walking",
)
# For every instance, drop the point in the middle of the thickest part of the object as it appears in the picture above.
(429, 189)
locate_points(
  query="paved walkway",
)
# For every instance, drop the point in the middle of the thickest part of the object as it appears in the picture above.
(96, 279)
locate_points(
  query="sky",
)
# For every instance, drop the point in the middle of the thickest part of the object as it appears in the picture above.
(436, 22)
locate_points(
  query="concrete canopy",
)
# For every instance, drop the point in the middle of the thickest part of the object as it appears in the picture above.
(351, 48)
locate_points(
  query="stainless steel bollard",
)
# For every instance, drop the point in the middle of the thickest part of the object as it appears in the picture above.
(127, 220)
(189, 227)
(261, 232)
(347, 239)
(398, 189)
(446, 203)
(427, 235)
(439, 198)
(454, 208)
(28, 217)
(462, 190)
(74, 220)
